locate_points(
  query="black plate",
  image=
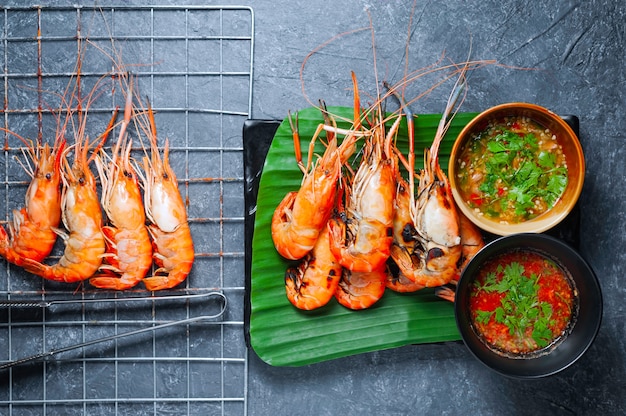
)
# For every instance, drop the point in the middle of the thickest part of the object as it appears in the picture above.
(257, 138)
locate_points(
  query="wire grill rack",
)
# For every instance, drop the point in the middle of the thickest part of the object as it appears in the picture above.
(195, 66)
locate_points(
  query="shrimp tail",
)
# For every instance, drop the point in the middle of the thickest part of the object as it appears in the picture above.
(361, 290)
(125, 272)
(174, 254)
(174, 277)
(106, 279)
(57, 272)
(446, 293)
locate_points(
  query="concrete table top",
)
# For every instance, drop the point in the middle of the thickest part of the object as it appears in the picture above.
(565, 55)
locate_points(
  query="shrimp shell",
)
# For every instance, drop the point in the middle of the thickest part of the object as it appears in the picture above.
(312, 283)
(172, 243)
(128, 254)
(84, 242)
(32, 232)
(361, 290)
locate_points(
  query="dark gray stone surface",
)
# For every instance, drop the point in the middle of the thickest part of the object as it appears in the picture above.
(574, 57)
(565, 55)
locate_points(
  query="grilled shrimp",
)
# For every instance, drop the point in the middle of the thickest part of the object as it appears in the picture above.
(313, 282)
(301, 215)
(128, 254)
(434, 259)
(361, 290)
(172, 243)
(471, 243)
(361, 237)
(437, 225)
(398, 282)
(423, 261)
(471, 240)
(32, 232)
(403, 237)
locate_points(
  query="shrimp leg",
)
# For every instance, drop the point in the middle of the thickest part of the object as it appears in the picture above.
(128, 255)
(172, 242)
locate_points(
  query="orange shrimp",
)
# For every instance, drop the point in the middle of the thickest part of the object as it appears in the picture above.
(82, 217)
(313, 282)
(32, 232)
(361, 290)
(172, 243)
(404, 237)
(437, 225)
(471, 242)
(434, 260)
(397, 281)
(128, 254)
(81, 212)
(301, 215)
(361, 237)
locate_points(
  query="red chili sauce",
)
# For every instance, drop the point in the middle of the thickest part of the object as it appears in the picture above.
(521, 302)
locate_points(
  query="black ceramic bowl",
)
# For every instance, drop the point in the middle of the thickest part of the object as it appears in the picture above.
(585, 324)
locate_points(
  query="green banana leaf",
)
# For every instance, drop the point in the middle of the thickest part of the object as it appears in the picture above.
(282, 335)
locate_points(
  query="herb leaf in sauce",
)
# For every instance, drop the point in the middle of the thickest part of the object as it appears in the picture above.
(518, 175)
(520, 309)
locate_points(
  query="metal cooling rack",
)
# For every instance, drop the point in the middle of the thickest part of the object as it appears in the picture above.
(195, 66)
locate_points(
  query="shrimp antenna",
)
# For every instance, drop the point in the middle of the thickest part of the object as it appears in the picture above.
(410, 122)
(145, 123)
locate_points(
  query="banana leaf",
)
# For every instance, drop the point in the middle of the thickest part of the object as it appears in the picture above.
(282, 335)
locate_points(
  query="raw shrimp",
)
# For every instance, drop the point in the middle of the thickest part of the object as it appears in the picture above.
(172, 243)
(32, 232)
(128, 254)
(313, 282)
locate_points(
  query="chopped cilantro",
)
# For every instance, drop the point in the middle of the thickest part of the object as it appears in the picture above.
(517, 174)
(520, 309)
